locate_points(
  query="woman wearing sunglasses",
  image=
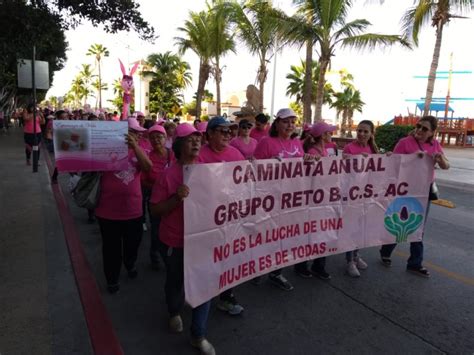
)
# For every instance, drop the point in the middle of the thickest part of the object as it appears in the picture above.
(243, 142)
(363, 145)
(422, 141)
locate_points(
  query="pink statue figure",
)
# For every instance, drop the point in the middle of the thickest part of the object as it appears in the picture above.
(127, 85)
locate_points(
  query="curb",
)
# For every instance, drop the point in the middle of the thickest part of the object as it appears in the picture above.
(463, 186)
(101, 331)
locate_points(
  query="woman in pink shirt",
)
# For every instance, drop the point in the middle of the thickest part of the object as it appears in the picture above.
(119, 211)
(32, 131)
(314, 144)
(422, 141)
(363, 145)
(261, 127)
(243, 142)
(161, 158)
(218, 150)
(167, 202)
(280, 145)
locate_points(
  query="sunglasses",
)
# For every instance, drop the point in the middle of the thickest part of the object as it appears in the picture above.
(423, 128)
(224, 131)
(246, 127)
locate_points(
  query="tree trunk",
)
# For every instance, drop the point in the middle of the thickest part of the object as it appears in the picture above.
(218, 87)
(204, 70)
(433, 68)
(349, 124)
(323, 65)
(308, 80)
(100, 87)
(343, 124)
(262, 77)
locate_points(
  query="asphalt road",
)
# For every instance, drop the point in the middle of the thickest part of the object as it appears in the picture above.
(384, 311)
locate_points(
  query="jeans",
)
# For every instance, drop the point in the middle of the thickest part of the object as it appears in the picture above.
(415, 261)
(319, 264)
(174, 292)
(156, 245)
(120, 241)
(146, 194)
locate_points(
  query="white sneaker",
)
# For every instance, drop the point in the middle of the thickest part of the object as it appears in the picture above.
(176, 324)
(204, 346)
(352, 270)
(145, 228)
(361, 264)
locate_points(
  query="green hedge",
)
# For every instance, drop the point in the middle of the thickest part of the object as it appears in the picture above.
(387, 136)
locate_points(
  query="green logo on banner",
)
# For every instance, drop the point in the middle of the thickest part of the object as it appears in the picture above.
(403, 217)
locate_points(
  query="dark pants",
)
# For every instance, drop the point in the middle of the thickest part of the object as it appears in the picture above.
(146, 194)
(120, 240)
(319, 264)
(29, 139)
(174, 292)
(157, 247)
(415, 261)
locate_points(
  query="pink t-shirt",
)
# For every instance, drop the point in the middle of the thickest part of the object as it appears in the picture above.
(409, 145)
(331, 148)
(318, 152)
(120, 192)
(272, 147)
(172, 224)
(258, 135)
(207, 155)
(355, 148)
(159, 165)
(28, 128)
(246, 149)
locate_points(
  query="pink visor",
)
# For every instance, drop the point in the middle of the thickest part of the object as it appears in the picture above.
(157, 128)
(133, 124)
(185, 129)
(321, 127)
(202, 127)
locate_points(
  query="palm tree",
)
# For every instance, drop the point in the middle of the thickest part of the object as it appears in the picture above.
(197, 37)
(222, 42)
(99, 51)
(170, 75)
(99, 86)
(257, 27)
(77, 91)
(438, 13)
(325, 21)
(296, 86)
(345, 103)
(86, 76)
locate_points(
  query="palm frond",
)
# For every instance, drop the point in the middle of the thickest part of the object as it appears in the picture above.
(373, 40)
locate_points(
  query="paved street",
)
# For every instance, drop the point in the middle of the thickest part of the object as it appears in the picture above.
(384, 311)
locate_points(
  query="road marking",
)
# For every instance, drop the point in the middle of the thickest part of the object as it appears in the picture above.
(443, 203)
(453, 275)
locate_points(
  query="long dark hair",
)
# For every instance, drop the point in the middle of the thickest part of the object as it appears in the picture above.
(433, 121)
(273, 130)
(178, 146)
(310, 141)
(371, 141)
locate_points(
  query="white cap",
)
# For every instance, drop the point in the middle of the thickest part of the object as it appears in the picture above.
(285, 113)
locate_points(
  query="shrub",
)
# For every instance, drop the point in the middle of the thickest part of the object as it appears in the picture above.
(387, 136)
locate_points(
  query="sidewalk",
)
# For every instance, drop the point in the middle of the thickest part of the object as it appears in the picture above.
(461, 173)
(40, 310)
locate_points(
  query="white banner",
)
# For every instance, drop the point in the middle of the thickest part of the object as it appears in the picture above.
(245, 219)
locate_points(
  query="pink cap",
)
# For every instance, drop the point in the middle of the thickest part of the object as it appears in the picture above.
(160, 121)
(185, 129)
(202, 126)
(133, 124)
(157, 128)
(138, 113)
(306, 127)
(321, 127)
